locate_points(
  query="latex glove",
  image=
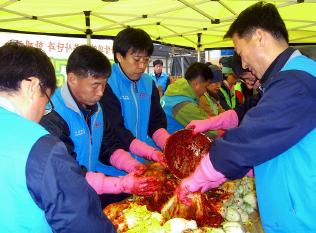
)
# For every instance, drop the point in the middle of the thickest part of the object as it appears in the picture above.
(130, 183)
(160, 137)
(250, 173)
(225, 120)
(203, 178)
(122, 160)
(143, 150)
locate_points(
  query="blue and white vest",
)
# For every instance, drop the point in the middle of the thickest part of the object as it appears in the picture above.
(87, 144)
(168, 103)
(19, 213)
(135, 100)
(286, 184)
(161, 82)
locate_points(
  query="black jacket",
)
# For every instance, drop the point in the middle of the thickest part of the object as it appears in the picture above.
(58, 127)
(112, 112)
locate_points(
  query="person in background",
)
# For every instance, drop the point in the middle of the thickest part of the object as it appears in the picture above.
(160, 78)
(77, 120)
(181, 100)
(247, 89)
(131, 99)
(277, 136)
(41, 183)
(209, 101)
(227, 96)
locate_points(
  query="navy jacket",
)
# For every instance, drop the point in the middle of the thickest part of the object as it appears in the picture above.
(283, 116)
(57, 186)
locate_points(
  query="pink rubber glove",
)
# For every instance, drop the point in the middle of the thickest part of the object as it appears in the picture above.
(160, 137)
(225, 120)
(203, 178)
(130, 183)
(143, 150)
(250, 173)
(124, 161)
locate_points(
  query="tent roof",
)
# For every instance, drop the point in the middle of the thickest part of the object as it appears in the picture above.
(176, 22)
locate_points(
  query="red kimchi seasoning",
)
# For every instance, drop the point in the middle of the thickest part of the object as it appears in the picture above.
(184, 151)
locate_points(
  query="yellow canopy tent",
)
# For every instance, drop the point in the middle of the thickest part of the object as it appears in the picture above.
(190, 23)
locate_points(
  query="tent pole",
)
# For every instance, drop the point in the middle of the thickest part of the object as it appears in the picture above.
(198, 55)
(182, 66)
(88, 30)
(199, 47)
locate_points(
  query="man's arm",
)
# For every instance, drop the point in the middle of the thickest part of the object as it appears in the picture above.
(111, 108)
(56, 185)
(58, 127)
(283, 116)
(109, 143)
(185, 112)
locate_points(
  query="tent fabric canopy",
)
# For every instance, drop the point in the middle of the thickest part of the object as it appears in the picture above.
(190, 23)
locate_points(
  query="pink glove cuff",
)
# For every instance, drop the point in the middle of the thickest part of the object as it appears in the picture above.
(141, 148)
(250, 173)
(208, 169)
(103, 184)
(206, 176)
(124, 161)
(229, 119)
(160, 137)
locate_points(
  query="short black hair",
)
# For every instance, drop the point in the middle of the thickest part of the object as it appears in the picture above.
(131, 38)
(198, 70)
(19, 62)
(87, 61)
(259, 15)
(157, 62)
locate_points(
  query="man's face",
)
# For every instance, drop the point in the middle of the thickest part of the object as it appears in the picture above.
(251, 53)
(87, 90)
(133, 64)
(39, 104)
(200, 86)
(213, 88)
(158, 69)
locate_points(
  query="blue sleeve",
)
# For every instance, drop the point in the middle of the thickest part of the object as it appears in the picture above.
(57, 186)
(283, 116)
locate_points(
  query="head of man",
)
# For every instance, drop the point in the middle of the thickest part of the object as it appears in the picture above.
(27, 79)
(158, 66)
(87, 72)
(242, 73)
(132, 49)
(227, 70)
(199, 76)
(259, 36)
(216, 81)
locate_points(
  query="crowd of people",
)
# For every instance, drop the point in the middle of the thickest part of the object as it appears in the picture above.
(67, 152)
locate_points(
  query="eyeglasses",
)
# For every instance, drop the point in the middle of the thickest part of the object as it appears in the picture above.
(49, 107)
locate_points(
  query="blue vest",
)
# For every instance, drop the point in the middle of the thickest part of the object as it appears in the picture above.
(161, 82)
(87, 144)
(19, 213)
(135, 100)
(168, 103)
(286, 185)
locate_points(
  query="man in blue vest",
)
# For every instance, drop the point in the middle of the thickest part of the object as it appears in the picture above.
(78, 121)
(131, 101)
(160, 78)
(277, 136)
(43, 189)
